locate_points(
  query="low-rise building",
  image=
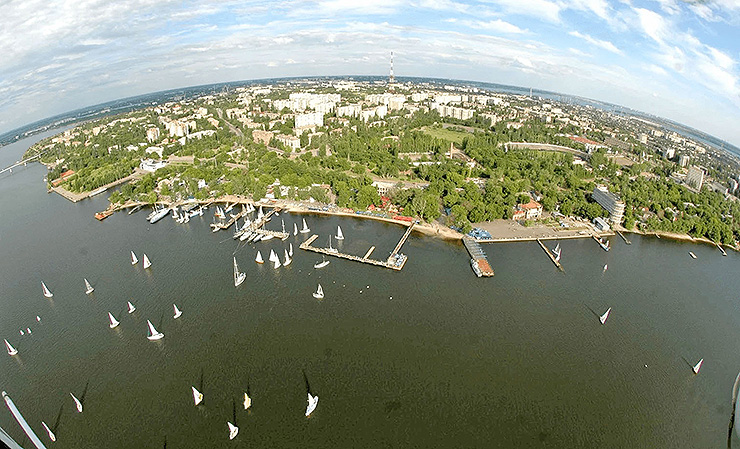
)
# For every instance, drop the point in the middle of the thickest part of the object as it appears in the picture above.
(529, 211)
(260, 136)
(151, 165)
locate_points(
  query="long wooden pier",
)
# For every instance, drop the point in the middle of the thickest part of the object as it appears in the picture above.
(550, 255)
(402, 241)
(624, 238)
(478, 259)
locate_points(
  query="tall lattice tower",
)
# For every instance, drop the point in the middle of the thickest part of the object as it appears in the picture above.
(392, 78)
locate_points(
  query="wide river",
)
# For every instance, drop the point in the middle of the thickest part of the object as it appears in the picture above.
(427, 357)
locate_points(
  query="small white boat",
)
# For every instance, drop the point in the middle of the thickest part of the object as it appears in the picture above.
(319, 293)
(178, 312)
(88, 288)
(52, 437)
(233, 431)
(321, 264)
(697, 367)
(38, 318)
(277, 264)
(339, 235)
(331, 249)
(247, 401)
(46, 291)
(77, 403)
(305, 228)
(259, 259)
(112, 320)
(131, 307)
(282, 223)
(134, 260)
(260, 214)
(693, 256)
(722, 250)
(606, 267)
(28, 330)
(197, 396)
(273, 256)
(295, 229)
(238, 276)
(290, 250)
(267, 237)
(21, 332)
(287, 260)
(10, 348)
(313, 401)
(153, 334)
(604, 317)
(147, 262)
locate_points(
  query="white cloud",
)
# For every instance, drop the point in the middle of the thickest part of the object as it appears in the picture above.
(546, 10)
(495, 26)
(606, 45)
(653, 24)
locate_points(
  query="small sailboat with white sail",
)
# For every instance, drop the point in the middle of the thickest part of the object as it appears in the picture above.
(10, 348)
(260, 214)
(134, 260)
(238, 276)
(290, 250)
(697, 367)
(330, 248)
(178, 312)
(305, 227)
(247, 401)
(313, 401)
(273, 257)
(604, 317)
(321, 264)
(197, 396)
(339, 235)
(287, 259)
(604, 244)
(131, 307)
(606, 267)
(153, 333)
(46, 291)
(52, 437)
(276, 262)
(147, 262)
(295, 229)
(78, 404)
(233, 431)
(259, 259)
(88, 288)
(691, 253)
(112, 321)
(21, 332)
(319, 293)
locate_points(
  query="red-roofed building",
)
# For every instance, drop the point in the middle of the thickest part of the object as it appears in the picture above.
(589, 144)
(530, 211)
(62, 177)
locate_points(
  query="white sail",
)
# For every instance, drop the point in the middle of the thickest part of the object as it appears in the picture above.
(238, 277)
(131, 307)
(282, 223)
(46, 291)
(557, 258)
(28, 330)
(10, 348)
(88, 288)
(147, 262)
(52, 437)
(197, 396)
(697, 367)
(339, 235)
(313, 401)
(606, 267)
(277, 264)
(331, 249)
(295, 229)
(290, 251)
(247, 401)
(112, 320)
(21, 332)
(273, 256)
(287, 260)
(178, 312)
(38, 318)
(603, 317)
(134, 260)
(319, 293)
(233, 431)
(321, 264)
(77, 403)
(305, 227)
(259, 259)
(153, 334)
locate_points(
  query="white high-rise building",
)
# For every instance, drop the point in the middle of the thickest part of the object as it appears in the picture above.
(695, 177)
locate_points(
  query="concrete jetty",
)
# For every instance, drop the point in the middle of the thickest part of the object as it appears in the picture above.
(551, 255)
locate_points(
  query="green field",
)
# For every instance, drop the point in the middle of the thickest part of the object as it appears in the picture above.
(446, 134)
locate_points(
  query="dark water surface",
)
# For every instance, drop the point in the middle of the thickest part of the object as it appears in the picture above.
(519, 360)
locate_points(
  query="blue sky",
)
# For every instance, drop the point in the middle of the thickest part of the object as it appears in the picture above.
(673, 58)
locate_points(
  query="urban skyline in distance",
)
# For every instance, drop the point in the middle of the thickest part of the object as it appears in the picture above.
(669, 58)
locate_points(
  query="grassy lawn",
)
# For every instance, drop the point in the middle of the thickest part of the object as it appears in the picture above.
(446, 134)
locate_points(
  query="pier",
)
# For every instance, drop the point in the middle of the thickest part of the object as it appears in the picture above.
(395, 261)
(478, 259)
(550, 255)
(624, 238)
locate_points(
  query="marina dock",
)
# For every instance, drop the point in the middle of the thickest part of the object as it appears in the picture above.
(550, 255)
(624, 238)
(478, 258)
(395, 261)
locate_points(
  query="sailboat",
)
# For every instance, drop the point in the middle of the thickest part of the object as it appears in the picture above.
(321, 264)
(197, 396)
(10, 348)
(305, 228)
(605, 268)
(287, 260)
(697, 367)
(88, 288)
(247, 401)
(313, 401)
(178, 312)
(21, 332)
(153, 334)
(331, 249)
(52, 437)
(290, 251)
(28, 331)
(277, 263)
(77, 403)
(557, 257)
(134, 260)
(556, 250)
(295, 229)
(282, 223)
(259, 259)
(38, 318)
(233, 431)
(238, 277)
(260, 214)
(47, 293)
(273, 256)
(147, 262)
(693, 256)
(131, 307)
(603, 317)
(113, 321)
(319, 293)
(339, 235)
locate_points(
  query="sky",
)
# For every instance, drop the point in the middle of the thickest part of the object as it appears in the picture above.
(678, 59)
